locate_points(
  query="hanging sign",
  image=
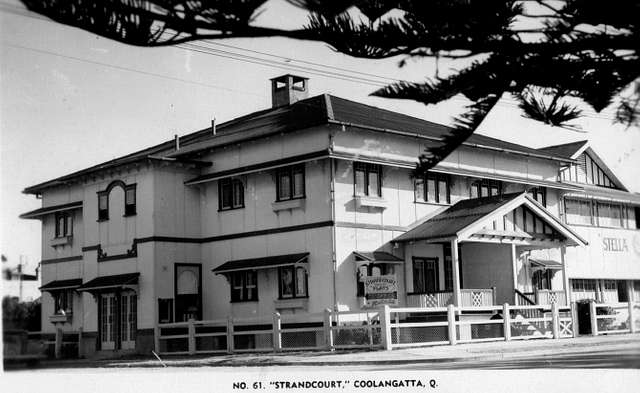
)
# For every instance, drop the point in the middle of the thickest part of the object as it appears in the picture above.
(380, 290)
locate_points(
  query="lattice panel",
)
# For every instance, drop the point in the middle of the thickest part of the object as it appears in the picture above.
(302, 339)
(430, 300)
(414, 335)
(476, 299)
(553, 297)
(359, 336)
(253, 341)
(218, 343)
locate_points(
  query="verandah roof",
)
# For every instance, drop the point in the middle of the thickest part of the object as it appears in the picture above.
(61, 284)
(474, 220)
(110, 282)
(261, 263)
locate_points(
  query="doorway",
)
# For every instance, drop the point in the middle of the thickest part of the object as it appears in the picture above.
(188, 291)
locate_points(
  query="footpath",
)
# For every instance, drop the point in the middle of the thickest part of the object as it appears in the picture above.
(430, 354)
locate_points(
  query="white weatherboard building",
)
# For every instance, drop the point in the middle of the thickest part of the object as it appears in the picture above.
(295, 208)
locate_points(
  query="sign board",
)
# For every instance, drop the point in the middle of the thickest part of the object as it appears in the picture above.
(380, 290)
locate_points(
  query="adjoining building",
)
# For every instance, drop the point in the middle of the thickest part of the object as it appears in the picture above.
(311, 204)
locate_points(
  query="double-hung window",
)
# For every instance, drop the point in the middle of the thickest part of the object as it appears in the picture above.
(484, 188)
(293, 282)
(244, 286)
(290, 183)
(64, 224)
(103, 206)
(130, 200)
(63, 302)
(368, 179)
(230, 194)
(578, 211)
(539, 194)
(425, 275)
(433, 188)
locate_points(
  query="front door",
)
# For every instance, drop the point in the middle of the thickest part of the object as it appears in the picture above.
(108, 321)
(128, 319)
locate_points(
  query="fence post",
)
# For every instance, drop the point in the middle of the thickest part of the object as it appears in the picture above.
(370, 330)
(575, 327)
(191, 329)
(632, 325)
(594, 318)
(328, 332)
(58, 347)
(277, 334)
(385, 326)
(506, 316)
(229, 334)
(555, 320)
(80, 345)
(451, 319)
(493, 296)
(156, 338)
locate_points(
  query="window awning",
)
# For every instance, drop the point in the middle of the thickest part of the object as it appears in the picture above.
(61, 284)
(546, 264)
(261, 263)
(376, 257)
(51, 209)
(127, 280)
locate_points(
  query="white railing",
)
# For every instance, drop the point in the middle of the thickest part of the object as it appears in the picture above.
(468, 298)
(328, 330)
(608, 318)
(547, 296)
(391, 328)
(412, 327)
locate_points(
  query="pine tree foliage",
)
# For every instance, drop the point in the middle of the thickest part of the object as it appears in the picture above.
(544, 52)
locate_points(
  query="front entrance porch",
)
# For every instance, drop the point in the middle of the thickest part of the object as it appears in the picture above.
(486, 252)
(117, 301)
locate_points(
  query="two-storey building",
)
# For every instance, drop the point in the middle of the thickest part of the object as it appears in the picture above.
(295, 208)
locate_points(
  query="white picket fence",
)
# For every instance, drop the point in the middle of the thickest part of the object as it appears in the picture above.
(389, 328)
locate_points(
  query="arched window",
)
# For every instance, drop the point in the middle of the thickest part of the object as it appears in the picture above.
(187, 283)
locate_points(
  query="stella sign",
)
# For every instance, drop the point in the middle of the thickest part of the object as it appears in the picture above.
(380, 290)
(615, 244)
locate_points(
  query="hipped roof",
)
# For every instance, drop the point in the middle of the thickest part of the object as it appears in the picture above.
(314, 111)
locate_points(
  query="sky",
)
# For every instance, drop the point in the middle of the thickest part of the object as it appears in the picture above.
(70, 99)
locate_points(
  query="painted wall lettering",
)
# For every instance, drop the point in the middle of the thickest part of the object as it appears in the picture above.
(614, 244)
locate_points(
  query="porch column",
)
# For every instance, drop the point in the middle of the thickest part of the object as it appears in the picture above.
(514, 269)
(455, 266)
(565, 278)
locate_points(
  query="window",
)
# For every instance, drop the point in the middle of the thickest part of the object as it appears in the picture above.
(290, 183)
(636, 211)
(368, 179)
(372, 270)
(542, 279)
(609, 214)
(230, 194)
(539, 194)
(130, 200)
(425, 275)
(64, 224)
(578, 211)
(165, 310)
(484, 188)
(103, 206)
(434, 188)
(293, 282)
(448, 267)
(244, 286)
(63, 302)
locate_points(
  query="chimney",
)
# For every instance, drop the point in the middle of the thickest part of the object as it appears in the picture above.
(287, 89)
